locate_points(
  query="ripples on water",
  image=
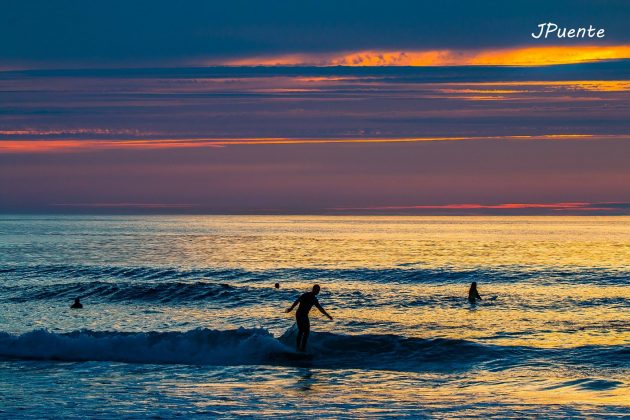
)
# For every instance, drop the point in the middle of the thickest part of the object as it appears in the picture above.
(181, 315)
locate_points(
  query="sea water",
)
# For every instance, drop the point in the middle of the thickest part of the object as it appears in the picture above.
(181, 316)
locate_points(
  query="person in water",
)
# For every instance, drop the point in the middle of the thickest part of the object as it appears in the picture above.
(473, 294)
(77, 304)
(306, 302)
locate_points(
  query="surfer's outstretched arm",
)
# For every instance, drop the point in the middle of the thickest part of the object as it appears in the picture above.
(322, 310)
(292, 306)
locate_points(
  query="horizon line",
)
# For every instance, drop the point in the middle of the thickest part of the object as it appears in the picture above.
(301, 213)
(470, 209)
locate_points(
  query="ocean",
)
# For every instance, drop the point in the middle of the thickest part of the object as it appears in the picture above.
(181, 316)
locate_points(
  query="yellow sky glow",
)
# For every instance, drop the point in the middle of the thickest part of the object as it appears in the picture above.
(520, 56)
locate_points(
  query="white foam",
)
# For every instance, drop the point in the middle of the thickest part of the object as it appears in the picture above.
(200, 346)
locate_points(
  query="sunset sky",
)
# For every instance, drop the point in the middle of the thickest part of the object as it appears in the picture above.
(446, 107)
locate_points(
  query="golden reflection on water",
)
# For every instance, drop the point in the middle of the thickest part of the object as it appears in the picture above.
(547, 316)
(548, 310)
(266, 242)
(379, 393)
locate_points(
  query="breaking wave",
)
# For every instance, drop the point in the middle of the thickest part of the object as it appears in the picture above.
(258, 346)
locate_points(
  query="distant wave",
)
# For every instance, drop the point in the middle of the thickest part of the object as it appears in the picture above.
(226, 295)
(122, 273)
(258, 346)
(165, 292)
(227, 287)
(406, 274)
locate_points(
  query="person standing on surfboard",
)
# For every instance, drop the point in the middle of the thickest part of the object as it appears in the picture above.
(306, 301)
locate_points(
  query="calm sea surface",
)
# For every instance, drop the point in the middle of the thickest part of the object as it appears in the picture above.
(181, 316)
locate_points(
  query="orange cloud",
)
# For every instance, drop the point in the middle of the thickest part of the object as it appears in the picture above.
(578, 206)
(520, 56)
(585, 85)
(541, 56)
(58, 145)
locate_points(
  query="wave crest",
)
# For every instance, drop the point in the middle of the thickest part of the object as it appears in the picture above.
(241, 346)
(199, 346)
(258, 346)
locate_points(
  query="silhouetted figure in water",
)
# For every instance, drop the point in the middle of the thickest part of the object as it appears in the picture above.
(77, 304)
(277, 285)
(306, 301)
(473, 294)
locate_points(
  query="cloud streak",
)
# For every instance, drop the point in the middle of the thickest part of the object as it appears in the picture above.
(504, 207)
(42, 146)
(210, 108)
(140, 206)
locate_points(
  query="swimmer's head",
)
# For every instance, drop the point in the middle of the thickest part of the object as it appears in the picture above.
(473, 284)
(316, 289)
(277, 285)
(76, 300)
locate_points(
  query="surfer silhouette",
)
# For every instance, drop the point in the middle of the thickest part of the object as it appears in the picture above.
(306, 302)
(473, 294)
(77, 304)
